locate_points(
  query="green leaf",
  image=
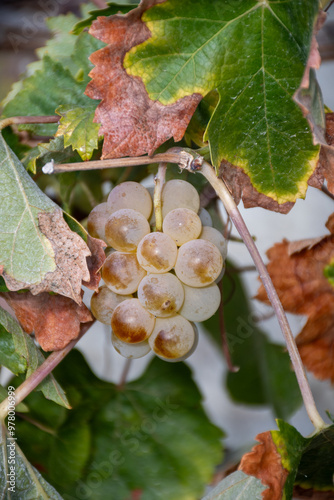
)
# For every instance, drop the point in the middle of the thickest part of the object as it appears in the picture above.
(14, 143)
(78, 129)
(19, 354)
(28, 483)
(237, 486)
(254, 53)
(25, 253)
(21, 407)
(265, 376)
(329, 273)
(153, 435)
(113, 8)
(47, 151)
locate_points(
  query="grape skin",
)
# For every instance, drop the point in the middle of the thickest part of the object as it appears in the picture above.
(157, 253)
(200, 303)
(122, 273)
(104, 302)
(179, 194)
(198, 263)
(161, 294)
(130, 351)
(130, 195)
(205, 217)
(215, 236)
(131, 322)
(125, 228)
(182, 225)
(173, 338)
(97, 220)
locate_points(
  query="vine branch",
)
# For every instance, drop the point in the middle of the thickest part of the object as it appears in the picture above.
(22, 120)
(42, 372)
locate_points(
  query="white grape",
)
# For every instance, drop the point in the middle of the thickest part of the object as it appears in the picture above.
(161, 294)
(130, 351)
(182, 225)
(205, 217)
(104, 302)
(216, 237)
(122, 273)
(198, 263)
(130, 195)
(97, 220)
(173, 339)
(131, 322)
(179, 194)
(200, 303)
(157, 253)
(125, 228)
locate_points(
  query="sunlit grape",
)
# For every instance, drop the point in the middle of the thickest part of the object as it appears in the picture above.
(104, 302)
(125, 228)
(131, 323)
(97, 220)
(157, 253)
(173, 339)
(205, 217)
(198, 263)
(130, 195)
(122, 273)
(215, 236)
(179, 194)
(130, 351)
(200, 303)
(161, 294)
(182, 225)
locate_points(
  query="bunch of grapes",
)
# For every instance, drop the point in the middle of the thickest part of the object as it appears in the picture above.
(157, 284)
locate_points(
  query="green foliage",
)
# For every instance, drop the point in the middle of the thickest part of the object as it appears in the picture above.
(254, 53)
(329, 273)
(21, 407)
(25, 252)
(265, 376)
(237, 485)
(47, 151)
(152, 435)
(113, 8)
(19, 354)
(78, 129)
(28, 483)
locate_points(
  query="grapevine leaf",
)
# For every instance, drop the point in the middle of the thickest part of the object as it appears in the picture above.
(131, 122)
(45, 152)
(113, 8)
(27, 482)
(237, 485)
(265, 376)
(301, 273)
(78, 129)
(284, 458)
(196, 47)
(54, 319)
(325, 169)
(37, 249)
(152, 436)
(26, 357)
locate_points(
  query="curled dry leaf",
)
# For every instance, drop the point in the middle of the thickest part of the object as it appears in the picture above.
(325, 167)
(54, 319)
(95, 262)
(131, 122)
(264, 462)
(297, 271)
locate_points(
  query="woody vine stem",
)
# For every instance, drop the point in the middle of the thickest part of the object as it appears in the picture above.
(191, 161)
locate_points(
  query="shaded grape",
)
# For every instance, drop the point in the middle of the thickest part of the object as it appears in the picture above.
(122, 273)
(125, 228)
(182, 225)
(131, 322)
(198, 263)
(157, 253)
(161, 294)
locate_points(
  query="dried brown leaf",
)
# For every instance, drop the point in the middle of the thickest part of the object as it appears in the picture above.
(54, 319)
(310, 494)
(264, 462)
(325, 167)
(297, 272)
(95, 262)
(132, 124)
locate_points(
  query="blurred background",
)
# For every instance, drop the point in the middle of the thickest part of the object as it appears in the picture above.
(22, 30)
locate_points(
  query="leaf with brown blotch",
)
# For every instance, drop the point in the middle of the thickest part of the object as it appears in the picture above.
(54, 319)
(131, 122)
(95, 262)
(264, 462)
(325, 167)
(297, 271)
